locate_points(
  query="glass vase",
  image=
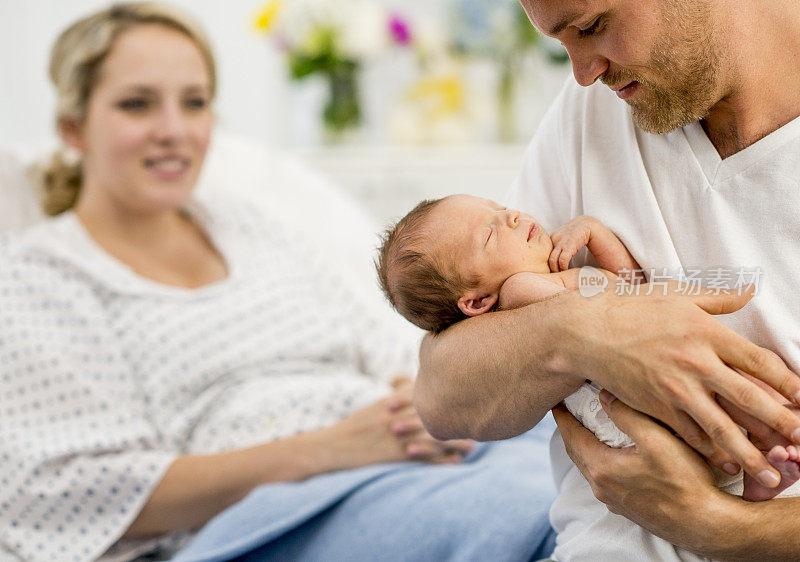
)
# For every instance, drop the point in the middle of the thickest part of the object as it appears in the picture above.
(342, 111)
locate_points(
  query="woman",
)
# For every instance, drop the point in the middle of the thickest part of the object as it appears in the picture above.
(164, 354)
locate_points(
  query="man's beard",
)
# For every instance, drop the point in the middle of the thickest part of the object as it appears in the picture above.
(684, 86)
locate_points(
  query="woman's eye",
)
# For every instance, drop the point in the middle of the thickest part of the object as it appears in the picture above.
(488, 237)
(133, 104)
(591, 30)
(196, 103)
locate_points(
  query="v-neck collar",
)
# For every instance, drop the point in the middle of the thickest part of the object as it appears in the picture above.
(718, 170)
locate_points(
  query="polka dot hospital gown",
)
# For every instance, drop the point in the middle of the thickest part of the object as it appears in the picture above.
(107, 377)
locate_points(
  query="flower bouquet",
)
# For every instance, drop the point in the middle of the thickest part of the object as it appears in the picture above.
(333, 38)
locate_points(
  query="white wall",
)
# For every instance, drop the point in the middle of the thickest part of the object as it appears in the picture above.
(254, 93)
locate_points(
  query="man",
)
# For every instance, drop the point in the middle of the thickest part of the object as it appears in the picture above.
(698, 168)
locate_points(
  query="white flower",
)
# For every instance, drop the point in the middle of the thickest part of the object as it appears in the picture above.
(359, 27)
(363, 29)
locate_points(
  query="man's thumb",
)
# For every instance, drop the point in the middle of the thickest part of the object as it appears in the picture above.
(724, 301)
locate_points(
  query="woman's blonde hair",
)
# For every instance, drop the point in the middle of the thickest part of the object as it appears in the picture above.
(75, 62)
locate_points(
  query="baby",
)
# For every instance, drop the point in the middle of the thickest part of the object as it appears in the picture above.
(461, 256)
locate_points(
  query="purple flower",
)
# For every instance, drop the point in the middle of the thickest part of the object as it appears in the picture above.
(399, 29)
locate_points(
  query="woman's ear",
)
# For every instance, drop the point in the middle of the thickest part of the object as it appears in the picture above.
(474, 303)
(72, 133)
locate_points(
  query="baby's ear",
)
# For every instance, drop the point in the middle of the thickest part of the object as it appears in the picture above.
(473, 303)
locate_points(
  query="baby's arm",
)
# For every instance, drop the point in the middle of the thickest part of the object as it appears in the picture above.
(527, 288)
(610, 252)
(522, 289)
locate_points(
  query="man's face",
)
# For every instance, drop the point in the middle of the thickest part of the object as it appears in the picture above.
(658, 55)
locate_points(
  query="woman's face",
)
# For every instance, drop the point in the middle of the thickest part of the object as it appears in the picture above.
(148, 122)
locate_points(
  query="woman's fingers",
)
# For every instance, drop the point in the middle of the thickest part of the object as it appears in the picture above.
(461, 446)
(420, 445)
(405, 425)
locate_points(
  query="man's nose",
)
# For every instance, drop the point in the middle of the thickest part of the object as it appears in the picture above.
(587, 66)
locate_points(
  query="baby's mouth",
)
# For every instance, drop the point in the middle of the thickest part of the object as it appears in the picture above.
(532, 232)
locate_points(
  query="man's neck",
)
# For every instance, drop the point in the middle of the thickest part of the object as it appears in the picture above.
(762, 76)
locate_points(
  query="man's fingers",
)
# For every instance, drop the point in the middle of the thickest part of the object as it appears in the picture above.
(579, 441)
(642, 429)
(755, 401)
(757, 430)
(696, 438)
(727, 435)
(758, 362)
(628, 420)
(723, 301)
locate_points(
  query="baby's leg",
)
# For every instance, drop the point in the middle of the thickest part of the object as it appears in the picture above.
(787, 461)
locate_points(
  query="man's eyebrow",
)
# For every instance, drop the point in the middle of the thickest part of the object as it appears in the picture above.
(563, 23)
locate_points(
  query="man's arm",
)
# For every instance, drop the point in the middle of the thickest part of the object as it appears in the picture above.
(476, 379)
(495, 375)
(664, 486)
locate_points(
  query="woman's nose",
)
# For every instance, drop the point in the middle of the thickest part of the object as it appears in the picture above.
(171, 124)
(587, 66)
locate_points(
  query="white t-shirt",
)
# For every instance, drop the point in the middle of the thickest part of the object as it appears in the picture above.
(676, 205)
(108, 377)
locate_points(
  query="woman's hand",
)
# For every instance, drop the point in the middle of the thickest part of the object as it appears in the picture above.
(660, 483)
(389, 430)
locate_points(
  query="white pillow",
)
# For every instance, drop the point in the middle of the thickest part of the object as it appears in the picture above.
(291, 191)
(19, 199)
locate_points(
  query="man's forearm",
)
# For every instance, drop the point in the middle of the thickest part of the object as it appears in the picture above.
(496, 375)
(750, 531)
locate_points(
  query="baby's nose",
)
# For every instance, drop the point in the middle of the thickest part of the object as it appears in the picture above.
(513, 218)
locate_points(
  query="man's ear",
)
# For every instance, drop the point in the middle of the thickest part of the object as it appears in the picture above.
(474, 303)
(72, 133)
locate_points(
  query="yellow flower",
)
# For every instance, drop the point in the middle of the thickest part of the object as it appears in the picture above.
(266, 17)
(447, 91)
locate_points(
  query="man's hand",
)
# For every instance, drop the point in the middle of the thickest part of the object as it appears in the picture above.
(659, 483)
(664, 356)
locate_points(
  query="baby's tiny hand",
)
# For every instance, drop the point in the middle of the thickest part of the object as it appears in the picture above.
(568, 239)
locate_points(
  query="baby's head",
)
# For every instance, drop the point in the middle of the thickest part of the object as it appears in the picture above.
(447, 259)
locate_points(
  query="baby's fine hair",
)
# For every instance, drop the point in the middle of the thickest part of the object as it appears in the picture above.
(419, 283)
